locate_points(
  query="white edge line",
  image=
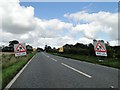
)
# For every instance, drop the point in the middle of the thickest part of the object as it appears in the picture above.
(77, 70)
(18, 74)
(54, 59)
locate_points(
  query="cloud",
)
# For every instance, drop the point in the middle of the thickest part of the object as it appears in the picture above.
(114, 43)
(89, 30)
(85, 40)
(51, 28)
(17, 19)
(91, 23)
(20, 23)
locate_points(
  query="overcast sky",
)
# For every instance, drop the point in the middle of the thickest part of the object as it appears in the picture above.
(56, 24)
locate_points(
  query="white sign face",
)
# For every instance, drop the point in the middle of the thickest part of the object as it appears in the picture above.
(20, 49)
(100, 48)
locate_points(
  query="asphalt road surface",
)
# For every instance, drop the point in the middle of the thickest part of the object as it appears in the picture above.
(49, 71)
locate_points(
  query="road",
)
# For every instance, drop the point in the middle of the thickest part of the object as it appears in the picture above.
(49, 71)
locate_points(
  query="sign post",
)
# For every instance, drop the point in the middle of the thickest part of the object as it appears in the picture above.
(20, 49)
(99, 48)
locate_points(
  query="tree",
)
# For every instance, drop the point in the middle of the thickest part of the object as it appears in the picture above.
(29, 48)
(68, 46)
(11, 43)
(91, 49)
(54, 50)
(48, 48)
(80, 45)
(45, 47)
(117, 51)
(8, 49)
(39, 49)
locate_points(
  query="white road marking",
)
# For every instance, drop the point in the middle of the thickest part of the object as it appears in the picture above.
(54, 59)
(77, 70)
(51, 58)
(48, 56)
(91, 63)
(18, 74)
(111, 86)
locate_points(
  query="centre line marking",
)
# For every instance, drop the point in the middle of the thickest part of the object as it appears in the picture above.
(54, 59)
(77, 70)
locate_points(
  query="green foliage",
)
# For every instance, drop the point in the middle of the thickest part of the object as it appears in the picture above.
(48, 48)
(12, 65)
(10, 72)
(29, 48)
(39, 49)
(11, 43)
(82, 49)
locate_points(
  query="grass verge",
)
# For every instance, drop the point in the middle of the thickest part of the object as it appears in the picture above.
(10, 71)
(106, 62)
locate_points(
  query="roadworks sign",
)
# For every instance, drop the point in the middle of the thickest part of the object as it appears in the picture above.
(61, 49)
(99, 48)
(20, 49)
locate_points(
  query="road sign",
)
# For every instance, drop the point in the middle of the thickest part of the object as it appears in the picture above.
(100, 48)
(61, 49)
(20, 49)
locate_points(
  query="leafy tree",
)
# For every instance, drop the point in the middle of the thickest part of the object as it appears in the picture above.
(48, 48)
(80, 45)
(91, 50)
(11, 43)
(29, 48)
(39, 49)
(8, 49)
(117, 51)
(82, 49)
(54, 50)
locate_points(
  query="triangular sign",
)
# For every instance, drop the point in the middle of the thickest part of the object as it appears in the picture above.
(20, 48)
(100, 47)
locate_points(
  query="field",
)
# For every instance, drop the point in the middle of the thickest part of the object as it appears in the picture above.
(11, 65)
(111, 62)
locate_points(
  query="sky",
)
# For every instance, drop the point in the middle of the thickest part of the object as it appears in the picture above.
(58, 23)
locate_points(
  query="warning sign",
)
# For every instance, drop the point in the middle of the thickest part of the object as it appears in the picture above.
(100, 48)
(61, 49)
(20, 49)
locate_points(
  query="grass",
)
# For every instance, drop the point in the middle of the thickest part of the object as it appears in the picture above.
(12, 66)
(106, 61)
(0, 70)
(10, 72)
(0, 59)
(8, 59)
